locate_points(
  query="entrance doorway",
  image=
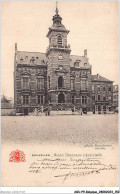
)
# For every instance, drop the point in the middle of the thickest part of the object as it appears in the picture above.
(104, 109)
(99, 109)
(61, 98)
(84, 111)
(25, 111)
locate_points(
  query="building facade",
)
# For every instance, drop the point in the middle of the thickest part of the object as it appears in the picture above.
(115, 97)
(58, 81)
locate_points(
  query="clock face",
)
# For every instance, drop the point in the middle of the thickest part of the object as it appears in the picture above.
(60, 57)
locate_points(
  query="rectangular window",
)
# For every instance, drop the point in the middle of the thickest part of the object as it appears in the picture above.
(72, 99)
(49, 82)
(25, 83)
(83, 85)
(104, 98)
(72, 84)
(25, 99)
(104, 88)
(104, 108)
(98, 89)
(110, 88)
(40, 99)
(93, 98)
(84, 99)
(40, 83)
(95, 88)
(98, 97)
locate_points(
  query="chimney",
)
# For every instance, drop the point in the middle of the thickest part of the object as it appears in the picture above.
(15, 48)
(98, 76)
(15, 51)
(85, 53)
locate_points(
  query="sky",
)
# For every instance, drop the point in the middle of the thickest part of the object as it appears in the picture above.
(93, 26)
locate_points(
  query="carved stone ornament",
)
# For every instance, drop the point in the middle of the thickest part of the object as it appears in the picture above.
(61, 69)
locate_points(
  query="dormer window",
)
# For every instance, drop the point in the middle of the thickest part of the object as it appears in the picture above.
(21, 60)
(26, 57)
(77, 63)
(59, 40)
(43, 61)
(32, 60)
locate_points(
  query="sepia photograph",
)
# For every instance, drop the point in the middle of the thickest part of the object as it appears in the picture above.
(59, 94)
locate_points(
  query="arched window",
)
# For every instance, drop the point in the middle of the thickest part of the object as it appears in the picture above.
(59, 40)
(60, 82)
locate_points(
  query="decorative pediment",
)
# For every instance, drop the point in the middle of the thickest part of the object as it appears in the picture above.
(39, 72)
(61, 69)
(24, 71)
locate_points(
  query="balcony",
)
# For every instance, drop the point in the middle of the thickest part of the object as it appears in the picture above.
(61, 89)
(101, 101)
(57, 47)
(84, 91)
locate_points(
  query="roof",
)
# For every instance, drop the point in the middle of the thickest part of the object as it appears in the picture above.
(59, 27)
(25, 57)
(81, 59)
(100, 78)
(4, 100)
(5, 103)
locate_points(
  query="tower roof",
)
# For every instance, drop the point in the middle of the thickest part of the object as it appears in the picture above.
(57, 23)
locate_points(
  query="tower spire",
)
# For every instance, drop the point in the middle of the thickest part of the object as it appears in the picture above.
(56, 7)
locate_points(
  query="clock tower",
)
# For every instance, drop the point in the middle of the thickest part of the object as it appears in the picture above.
(58, 74)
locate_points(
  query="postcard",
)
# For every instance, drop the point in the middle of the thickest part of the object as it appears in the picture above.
(59, 94)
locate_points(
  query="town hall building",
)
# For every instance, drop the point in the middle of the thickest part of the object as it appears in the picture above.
(57, 81)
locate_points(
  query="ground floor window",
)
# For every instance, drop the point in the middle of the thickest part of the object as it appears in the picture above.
(104, 108)
(40, 99)
(99, 108)
(25, 99)
(25, 111)
(72, 99)
(84, 99)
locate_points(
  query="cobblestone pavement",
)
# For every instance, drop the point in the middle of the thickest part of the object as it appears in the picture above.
(69, 130)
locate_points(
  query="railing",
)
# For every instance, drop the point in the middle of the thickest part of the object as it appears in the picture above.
(102, 101)
(59, 47)
(60, 88)
(60, 106)
(84, 91)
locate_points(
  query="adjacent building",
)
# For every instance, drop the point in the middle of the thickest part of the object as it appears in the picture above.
(7, 107)
(115, 97)
(58, 81)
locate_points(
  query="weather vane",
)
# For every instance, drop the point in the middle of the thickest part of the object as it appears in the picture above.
(56, 7)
